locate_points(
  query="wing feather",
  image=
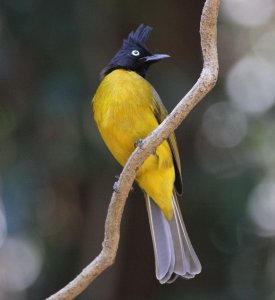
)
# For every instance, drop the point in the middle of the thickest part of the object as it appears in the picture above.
(161, 113)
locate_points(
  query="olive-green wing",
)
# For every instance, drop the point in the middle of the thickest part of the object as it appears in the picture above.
(161, 113)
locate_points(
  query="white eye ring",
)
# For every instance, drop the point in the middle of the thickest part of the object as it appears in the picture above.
(135, 53)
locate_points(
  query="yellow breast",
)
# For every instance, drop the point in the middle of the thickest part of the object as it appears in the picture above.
(124, 114)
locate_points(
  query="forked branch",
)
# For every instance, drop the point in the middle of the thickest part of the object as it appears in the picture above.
(206, 81)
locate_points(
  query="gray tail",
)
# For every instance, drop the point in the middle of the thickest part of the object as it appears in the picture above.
(174, 254)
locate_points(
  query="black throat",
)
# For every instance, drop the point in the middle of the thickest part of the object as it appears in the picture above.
(142, 70)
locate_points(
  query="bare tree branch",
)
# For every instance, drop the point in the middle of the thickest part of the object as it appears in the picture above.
(206, 81)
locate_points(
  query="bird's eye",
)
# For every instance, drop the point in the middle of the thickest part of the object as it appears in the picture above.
(135, 53)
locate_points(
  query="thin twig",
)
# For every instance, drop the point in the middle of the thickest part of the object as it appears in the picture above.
(206, 81)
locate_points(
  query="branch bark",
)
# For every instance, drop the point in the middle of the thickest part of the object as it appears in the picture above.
(206, 81)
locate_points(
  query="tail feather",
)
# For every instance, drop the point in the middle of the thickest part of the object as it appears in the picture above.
(174, 254)
(193, 265)
(162, 244)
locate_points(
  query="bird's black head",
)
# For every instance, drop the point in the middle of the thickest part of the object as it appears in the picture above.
(134, 55)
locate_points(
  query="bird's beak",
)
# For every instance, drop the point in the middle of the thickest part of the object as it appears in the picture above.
(155, 57)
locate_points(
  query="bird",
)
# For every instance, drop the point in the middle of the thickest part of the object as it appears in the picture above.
(127, 109)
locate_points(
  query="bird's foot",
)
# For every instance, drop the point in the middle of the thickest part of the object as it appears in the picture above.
(116, 187)
(139, 143)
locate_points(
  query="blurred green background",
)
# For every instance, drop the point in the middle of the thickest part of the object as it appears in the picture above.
(56, 175)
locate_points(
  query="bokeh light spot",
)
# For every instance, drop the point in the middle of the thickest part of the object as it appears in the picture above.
(250, 13)
(250, 85)
(261, 207)
(20, 263)
(3, 226)
(265, 46)
(223, 125)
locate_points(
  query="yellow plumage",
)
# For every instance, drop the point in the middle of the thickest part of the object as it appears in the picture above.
(126, 109)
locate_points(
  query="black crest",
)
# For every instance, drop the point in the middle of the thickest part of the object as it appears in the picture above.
(138, 37)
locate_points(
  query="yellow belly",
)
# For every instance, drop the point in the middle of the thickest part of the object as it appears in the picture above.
(124, 114)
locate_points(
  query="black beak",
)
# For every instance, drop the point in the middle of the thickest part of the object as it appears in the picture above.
(154, 58)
